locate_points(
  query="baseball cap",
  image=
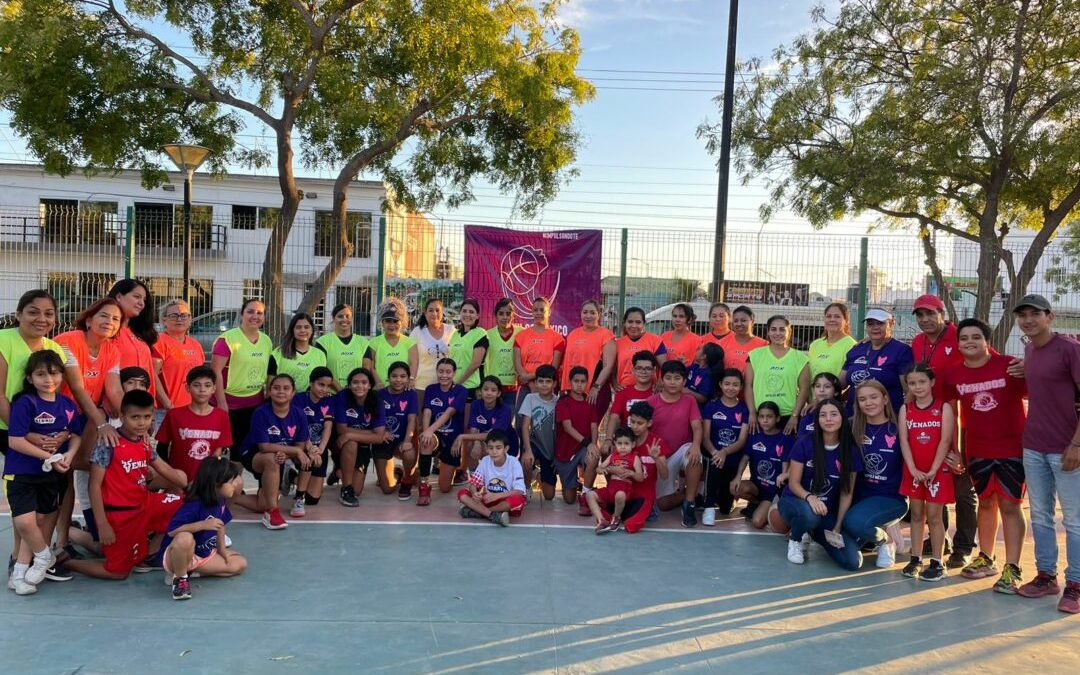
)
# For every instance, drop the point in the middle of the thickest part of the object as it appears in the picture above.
(928, 301)
(878, 315)
(390, 314)
(1032, 300)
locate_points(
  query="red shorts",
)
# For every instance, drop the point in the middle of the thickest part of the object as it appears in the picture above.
(938, 491)
(132, 527)
(515, 502)
(606, 494)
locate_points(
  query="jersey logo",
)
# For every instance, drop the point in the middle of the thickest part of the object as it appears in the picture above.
(719, 416)
(726, 437)
(890, 440)
(480, 419)
(200, 449)
(875, 466)
(779, 450)
(325, 410)
(351, 412)
(436, 402)
(760, 447)
(738, 417)
(92, 374)
(984, 402)
(933, 488)
(308, 411)
(273, 430)
(881, 360)
(923, 437)
(44, 418)
(450, 401)
(766, 470)
(291, 429)
(403, 405)
(948, 351)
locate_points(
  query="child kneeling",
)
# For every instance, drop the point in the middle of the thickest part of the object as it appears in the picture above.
(497, 487)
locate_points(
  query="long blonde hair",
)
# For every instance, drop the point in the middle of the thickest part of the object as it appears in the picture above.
(859, 421)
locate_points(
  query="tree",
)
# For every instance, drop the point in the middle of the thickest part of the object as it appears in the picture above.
(477, 88)
(960, 116)
(1064, 270)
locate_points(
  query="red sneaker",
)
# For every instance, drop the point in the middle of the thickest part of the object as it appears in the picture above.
(272, 520)
(424, 498)
(1042, 584)
(583, 506)
(1070, 599)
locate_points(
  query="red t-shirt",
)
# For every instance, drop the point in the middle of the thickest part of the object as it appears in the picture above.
(991, 408)
(625, 348)
(177, 360)
(941, 355)
(582, 416)
(125, 482)
(538, 349)
(671, 421)
(647, 488)
(736, 353)
(192, 437)
(625, 399)
(684, 350)
(584, 348)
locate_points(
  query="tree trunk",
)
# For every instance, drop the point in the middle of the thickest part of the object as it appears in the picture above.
(273, 287)
(341, 253)
(1019, 286)
(930, 251)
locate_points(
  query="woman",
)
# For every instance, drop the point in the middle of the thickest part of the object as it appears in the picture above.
(137, 335)
(680, 343)
(392, 346)
(592, 347)
(878, 505)
(500, 355)
(633, 340)
(779, 374)
(469, 346)
(241, 361)
(345, 350)
(822, 470)
(719, 325)
(432, 337)
(176, 352)
(880, 357)
(536, 346)
(297, 357)
(742, 340)
(827, 353)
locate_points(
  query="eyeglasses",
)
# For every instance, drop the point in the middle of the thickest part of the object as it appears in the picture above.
(643, 369)
(176, 316)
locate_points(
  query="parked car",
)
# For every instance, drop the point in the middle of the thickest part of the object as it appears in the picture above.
(206, 328)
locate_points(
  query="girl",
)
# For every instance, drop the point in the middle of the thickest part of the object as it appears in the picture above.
(927, 425)
(279, 432)
(393, 346)
(297, 356)
(316, 403)
(742, 340)
(433, 342)
(824, 387)
(725, 428)
(241, 360)
(400, 409)
(704, 375)
(345, 350)
(680, 343)
(361, 433)
(766, 454)
(469, 345)
(137, 335)
(633, 340)
(500, 355)
(195, 541)
(33, 471)
(592, 347)
(823, 468)
(827, 353)
(442, 422)
(535, 346)
(782, 376)
(485, 415)
(878, 505)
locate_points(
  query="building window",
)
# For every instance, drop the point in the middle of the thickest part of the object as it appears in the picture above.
(252, 288)
(75, 291)
(164, 289)
(99, 222)
(357, 230)
(59, 220)
(154, 224)
(202, 217)
(254, 217)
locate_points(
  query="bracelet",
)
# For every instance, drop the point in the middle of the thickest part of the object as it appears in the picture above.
(102, 426)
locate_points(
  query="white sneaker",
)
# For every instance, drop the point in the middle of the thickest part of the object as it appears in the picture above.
(708, 517)
(886, 555)
(297, 510)
(795, 552)
(805, 542)
(36, 574)
(228, 544)
(21, 586)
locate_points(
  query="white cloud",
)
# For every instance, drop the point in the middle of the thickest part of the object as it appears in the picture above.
(582, 13)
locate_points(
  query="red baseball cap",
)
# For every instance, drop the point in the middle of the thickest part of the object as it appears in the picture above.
(928, 302)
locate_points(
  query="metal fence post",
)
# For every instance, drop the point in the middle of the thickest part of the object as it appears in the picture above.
(622, 280)
(380, 281)
(864, 265)
(129, 244)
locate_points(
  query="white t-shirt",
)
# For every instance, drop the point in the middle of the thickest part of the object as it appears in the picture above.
(501, 479)
(430, 350)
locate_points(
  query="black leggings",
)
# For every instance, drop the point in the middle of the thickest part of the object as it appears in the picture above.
(718, 484)
(240, 425)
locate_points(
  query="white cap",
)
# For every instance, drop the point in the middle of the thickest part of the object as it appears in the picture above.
(878, 315)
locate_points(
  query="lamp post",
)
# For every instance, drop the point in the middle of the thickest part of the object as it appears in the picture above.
(187, 158)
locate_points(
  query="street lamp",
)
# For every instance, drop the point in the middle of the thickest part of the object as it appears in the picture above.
(187, 158)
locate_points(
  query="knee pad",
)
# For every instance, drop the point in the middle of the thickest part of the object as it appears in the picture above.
(311, 501)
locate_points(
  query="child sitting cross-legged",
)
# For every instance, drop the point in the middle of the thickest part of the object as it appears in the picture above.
(497, 487)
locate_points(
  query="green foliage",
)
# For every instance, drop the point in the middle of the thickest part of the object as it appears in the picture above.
(686, 290)
(1064, 270)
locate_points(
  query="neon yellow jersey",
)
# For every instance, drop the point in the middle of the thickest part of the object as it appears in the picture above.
(300, 366)
(500, 356)
(344, 357)
(386, 354)
(777, 380)
(461, 351)
(826, 358)
(16, 353)
(248, 363)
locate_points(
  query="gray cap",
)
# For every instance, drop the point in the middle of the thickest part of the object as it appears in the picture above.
(389, 314)
(1032, 300)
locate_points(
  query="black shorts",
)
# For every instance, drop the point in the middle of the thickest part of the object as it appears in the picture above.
(320, 471)
(384, 451)
(3, 442)
(446, 441)
(27, 493)
(364, 453)
(1004, 477)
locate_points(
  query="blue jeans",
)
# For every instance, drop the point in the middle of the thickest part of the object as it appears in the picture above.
(1045, 480)
(802, 519)
(866, 520)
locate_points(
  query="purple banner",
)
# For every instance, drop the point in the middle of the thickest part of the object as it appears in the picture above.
(562, 266)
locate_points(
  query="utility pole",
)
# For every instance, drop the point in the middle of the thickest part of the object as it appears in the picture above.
(720, 248)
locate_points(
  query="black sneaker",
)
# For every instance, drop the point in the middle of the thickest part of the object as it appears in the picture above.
(689, 519)
(57, 573)
(404, 492)
(148, 563)
(181, 588)
(333, 478)
(935, 571)
(913, 568)
(958, 559)
(72, 553)
(348, 497)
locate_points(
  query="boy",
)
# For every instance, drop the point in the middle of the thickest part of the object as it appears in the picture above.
(677, 419)
(653, 452)
(497, 488)
(576, 421)
(189, 434)
(124, 508)
(538, 429)
(618, 489)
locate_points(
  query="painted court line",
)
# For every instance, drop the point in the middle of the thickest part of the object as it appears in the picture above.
(514, 526)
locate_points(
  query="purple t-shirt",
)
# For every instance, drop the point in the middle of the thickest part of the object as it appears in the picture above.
(803, 452)
(883, 463)
(438, 401)
(886, 365)
(767, 454)
(267, 427)
(726, 423)
(500, 417)
(355, 415)
(32, 414)
(1052, 373)
(396, 409)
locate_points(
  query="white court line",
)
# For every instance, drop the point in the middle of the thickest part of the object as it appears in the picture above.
(696, 530)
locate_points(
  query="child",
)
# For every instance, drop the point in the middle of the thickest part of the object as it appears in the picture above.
(619, 488)
(704, 375)
(927, 425)
(125, 510)
(726, 420)
(538, 430)
(443, 421)
(486, 414)
(653, 451)
(576, 428)
(497, 488)
(317, 405)
(279, 432)
(361, 433)
(767, 456)
(400, 409)
(825, 387)
(195, 540)
(189, 434)
(33, 472)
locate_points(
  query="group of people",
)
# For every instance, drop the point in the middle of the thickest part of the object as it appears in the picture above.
(835, 445)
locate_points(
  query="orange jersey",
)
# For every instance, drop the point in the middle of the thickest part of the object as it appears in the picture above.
(93, 370)
(684, 350)
(135, 352)
(625, 348)
(584, 348)
(736, 354)
(538, 349)
(714, 339)
(177, 360)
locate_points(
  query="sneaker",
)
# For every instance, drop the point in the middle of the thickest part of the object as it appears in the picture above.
(708, 517)
(466, 512)
(795, 552)
(460, 478)
(689, 519)
(36, 574)
(348, 497)
(423, 498)
(615, 526)
(886, 555)
(272, 520)
(1009, 581)
(602, 527)
(333, 478)
(981, 567)
(404, 492)
(654, 514)
(913, 569)
(935, 571)
(228, 542)
(21, 586)
(297, 510)
(958, 559)
(181, 589)
(583, 506)
(289, 478)
(57, 573)
(1042, 584)
(500, 518)
(805, 542)
(1070, 599)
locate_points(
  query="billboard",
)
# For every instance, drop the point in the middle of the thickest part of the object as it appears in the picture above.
(767, 293)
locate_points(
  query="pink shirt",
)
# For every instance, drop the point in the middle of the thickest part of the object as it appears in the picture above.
(671, 421)
(1052, 373)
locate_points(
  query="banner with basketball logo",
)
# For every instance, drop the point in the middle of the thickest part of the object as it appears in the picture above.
(562, 266)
